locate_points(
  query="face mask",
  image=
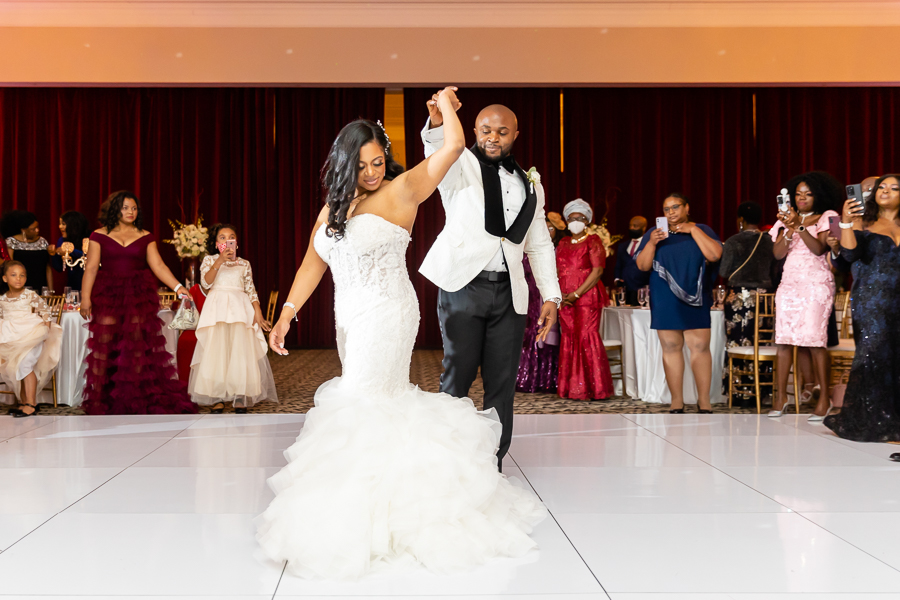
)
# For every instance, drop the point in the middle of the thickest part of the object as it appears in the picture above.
(576, 227)
(866, 195)
(635, 233)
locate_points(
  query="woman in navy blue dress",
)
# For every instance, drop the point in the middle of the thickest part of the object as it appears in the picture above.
(871, 411)
(680, 266)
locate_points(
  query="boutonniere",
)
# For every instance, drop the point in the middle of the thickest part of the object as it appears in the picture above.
(534, 177)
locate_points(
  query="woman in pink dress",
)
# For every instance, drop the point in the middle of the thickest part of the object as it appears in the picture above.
(580, 259)
(805, 297)
(129, 370)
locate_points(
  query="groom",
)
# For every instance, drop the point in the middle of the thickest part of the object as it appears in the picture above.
(495, 215)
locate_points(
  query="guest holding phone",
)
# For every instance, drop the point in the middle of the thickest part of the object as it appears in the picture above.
(680, 262)
(871, 410)
(230, 363)
(805, 297)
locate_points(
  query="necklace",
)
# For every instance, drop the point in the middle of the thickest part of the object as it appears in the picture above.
(804, 215)
(578, 241)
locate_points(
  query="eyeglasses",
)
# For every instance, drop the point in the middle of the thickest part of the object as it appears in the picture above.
(673, 208)
(582, 219)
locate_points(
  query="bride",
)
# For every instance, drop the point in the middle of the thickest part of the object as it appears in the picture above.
(384, 473)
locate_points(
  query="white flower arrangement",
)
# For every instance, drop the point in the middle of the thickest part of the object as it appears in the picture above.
(189, 239)
(603, 233)
(533, 176)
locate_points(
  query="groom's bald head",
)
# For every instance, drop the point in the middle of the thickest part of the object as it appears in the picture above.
(496, 128)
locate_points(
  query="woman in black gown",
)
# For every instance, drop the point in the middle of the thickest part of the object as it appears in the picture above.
(28, 247)
(871, 411)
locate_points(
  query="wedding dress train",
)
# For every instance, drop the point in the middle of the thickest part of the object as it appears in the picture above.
(384, 473)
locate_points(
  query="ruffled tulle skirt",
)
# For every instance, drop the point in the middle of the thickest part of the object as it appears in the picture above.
(129, 370)
(21, 338)
(375, 481)
(230, 362)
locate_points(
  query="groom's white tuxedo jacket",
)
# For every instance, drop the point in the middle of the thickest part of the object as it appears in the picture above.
(464, 248)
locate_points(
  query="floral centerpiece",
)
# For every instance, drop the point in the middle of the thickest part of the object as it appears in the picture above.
(602, 232)
(189, 239)
(190, 244)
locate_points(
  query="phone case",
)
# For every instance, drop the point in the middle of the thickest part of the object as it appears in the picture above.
(663, 224)
(834, 226)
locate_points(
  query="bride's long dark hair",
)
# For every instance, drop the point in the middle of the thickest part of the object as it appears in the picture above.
(340, 175)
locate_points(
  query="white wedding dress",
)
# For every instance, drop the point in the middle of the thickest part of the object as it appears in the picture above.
(384, 473)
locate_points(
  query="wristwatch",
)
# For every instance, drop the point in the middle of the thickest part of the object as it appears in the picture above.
(845, 225)
(556, 301)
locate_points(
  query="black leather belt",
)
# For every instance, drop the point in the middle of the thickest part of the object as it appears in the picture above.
(494, 275)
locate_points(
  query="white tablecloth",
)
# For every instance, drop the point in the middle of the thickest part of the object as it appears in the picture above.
(644, 375)
(70, 376)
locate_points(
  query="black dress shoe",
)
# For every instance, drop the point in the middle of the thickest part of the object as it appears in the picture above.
(21, 412)
(241, 410)
(895, 457)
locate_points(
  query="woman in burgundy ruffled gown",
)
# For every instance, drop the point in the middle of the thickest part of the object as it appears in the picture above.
(583, 365)
(129, 370)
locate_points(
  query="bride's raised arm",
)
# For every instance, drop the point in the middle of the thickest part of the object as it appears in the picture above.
(417, 184)
(305, 282)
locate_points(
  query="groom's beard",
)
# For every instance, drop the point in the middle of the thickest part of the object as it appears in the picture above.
(504, 153)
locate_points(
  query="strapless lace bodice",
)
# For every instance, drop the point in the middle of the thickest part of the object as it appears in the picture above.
(375, 305)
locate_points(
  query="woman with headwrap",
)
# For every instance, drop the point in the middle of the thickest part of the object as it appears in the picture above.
(681, 265)
(25, 245)
(583, 365)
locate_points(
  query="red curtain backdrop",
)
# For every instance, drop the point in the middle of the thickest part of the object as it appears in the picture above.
(247, 156)
(848, 132)
(253, 157)
(626, 149)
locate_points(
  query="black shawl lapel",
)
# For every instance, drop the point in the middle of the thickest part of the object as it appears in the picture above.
(494, 221)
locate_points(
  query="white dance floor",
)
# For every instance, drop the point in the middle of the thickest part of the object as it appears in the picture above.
(643, 507)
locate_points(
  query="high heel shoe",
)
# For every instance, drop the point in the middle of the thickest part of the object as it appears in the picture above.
(778, 413)
(814, 418)
(677, 411)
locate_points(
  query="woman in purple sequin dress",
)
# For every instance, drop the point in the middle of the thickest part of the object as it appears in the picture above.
(539, 364)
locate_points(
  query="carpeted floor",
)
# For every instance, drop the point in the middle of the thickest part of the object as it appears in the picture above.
(299, 374)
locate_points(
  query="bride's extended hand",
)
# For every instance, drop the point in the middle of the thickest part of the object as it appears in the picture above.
(276, 337)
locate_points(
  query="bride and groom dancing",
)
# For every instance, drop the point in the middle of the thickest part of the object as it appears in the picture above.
(382, 472)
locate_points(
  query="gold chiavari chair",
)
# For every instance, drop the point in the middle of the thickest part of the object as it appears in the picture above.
(763, 350)
(270, 309)
(841, 356)
(616, 360)
(166, 299)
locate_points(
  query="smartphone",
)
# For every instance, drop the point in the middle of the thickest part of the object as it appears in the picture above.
(662, 224)
(784, 201)
(231, 244)
(834, 226)
(855, 191)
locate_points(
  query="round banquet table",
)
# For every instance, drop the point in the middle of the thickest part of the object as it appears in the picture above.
(74, 351)
(644, 376)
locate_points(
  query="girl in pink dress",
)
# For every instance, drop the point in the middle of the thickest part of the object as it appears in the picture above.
(805, 296)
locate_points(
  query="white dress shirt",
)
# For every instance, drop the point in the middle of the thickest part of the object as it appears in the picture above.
(513, 200)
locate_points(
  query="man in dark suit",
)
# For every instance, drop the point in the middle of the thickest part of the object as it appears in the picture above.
(625, 254)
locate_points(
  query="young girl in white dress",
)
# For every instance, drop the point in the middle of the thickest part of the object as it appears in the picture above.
(29, 342)
(229, 362)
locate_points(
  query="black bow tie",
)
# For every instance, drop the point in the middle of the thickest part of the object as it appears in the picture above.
(508, 162)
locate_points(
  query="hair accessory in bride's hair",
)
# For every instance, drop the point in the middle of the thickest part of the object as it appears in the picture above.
(386, 136)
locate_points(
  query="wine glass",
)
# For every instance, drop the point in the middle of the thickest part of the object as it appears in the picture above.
(620, 296)
(721, 293)
(643, 296)
(45, 291)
